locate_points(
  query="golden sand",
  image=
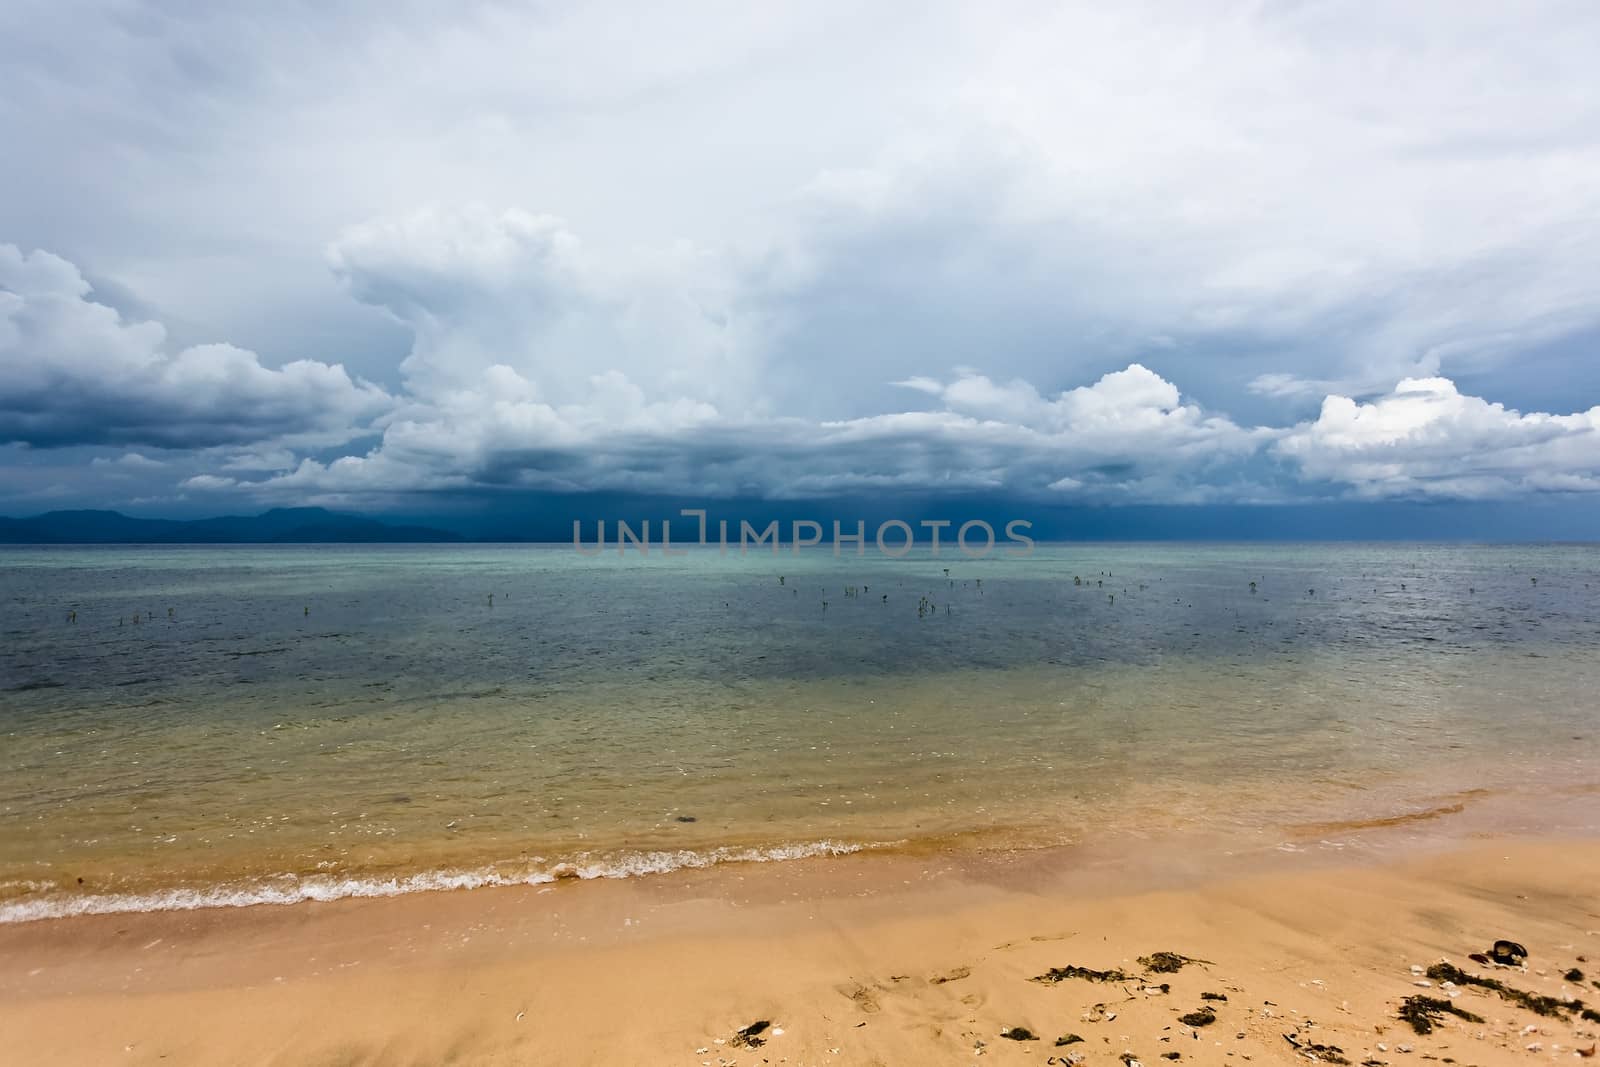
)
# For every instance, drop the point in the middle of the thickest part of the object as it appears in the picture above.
(894, 960)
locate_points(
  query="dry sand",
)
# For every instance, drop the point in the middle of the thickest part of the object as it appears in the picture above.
(895, 960)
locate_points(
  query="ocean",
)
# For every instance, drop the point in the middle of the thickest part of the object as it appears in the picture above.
(195, 726)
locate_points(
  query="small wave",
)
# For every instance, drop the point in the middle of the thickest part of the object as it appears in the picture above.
(299, 889)
(1385, 821)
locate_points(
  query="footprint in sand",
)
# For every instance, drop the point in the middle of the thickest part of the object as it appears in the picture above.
(951, 976)
(863, 998)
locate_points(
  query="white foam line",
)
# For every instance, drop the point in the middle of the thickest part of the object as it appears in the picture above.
(295, 889)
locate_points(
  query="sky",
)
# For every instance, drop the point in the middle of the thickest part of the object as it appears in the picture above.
(390, 257)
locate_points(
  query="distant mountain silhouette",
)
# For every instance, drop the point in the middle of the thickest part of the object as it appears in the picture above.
(278, 526)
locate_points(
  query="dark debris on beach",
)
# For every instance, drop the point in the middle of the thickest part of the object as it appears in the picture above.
(750, 1036)
(1166, 962)
(1422, 1012)
(1425, 1013)
(1089, 974)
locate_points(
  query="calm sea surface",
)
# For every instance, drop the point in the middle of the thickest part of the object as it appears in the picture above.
(233, 725)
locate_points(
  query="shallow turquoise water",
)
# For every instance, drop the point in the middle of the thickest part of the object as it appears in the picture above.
(283, 722)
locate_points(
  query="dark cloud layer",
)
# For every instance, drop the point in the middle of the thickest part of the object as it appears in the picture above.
(1223, 253)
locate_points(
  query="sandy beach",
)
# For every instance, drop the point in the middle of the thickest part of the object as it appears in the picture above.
(937, 958)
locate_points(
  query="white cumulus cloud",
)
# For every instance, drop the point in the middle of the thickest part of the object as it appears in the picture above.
(1427, 439)
(73, 371)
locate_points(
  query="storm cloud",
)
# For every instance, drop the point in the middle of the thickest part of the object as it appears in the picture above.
(1219, 254)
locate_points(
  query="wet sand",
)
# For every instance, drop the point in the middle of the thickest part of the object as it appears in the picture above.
(867, 959)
